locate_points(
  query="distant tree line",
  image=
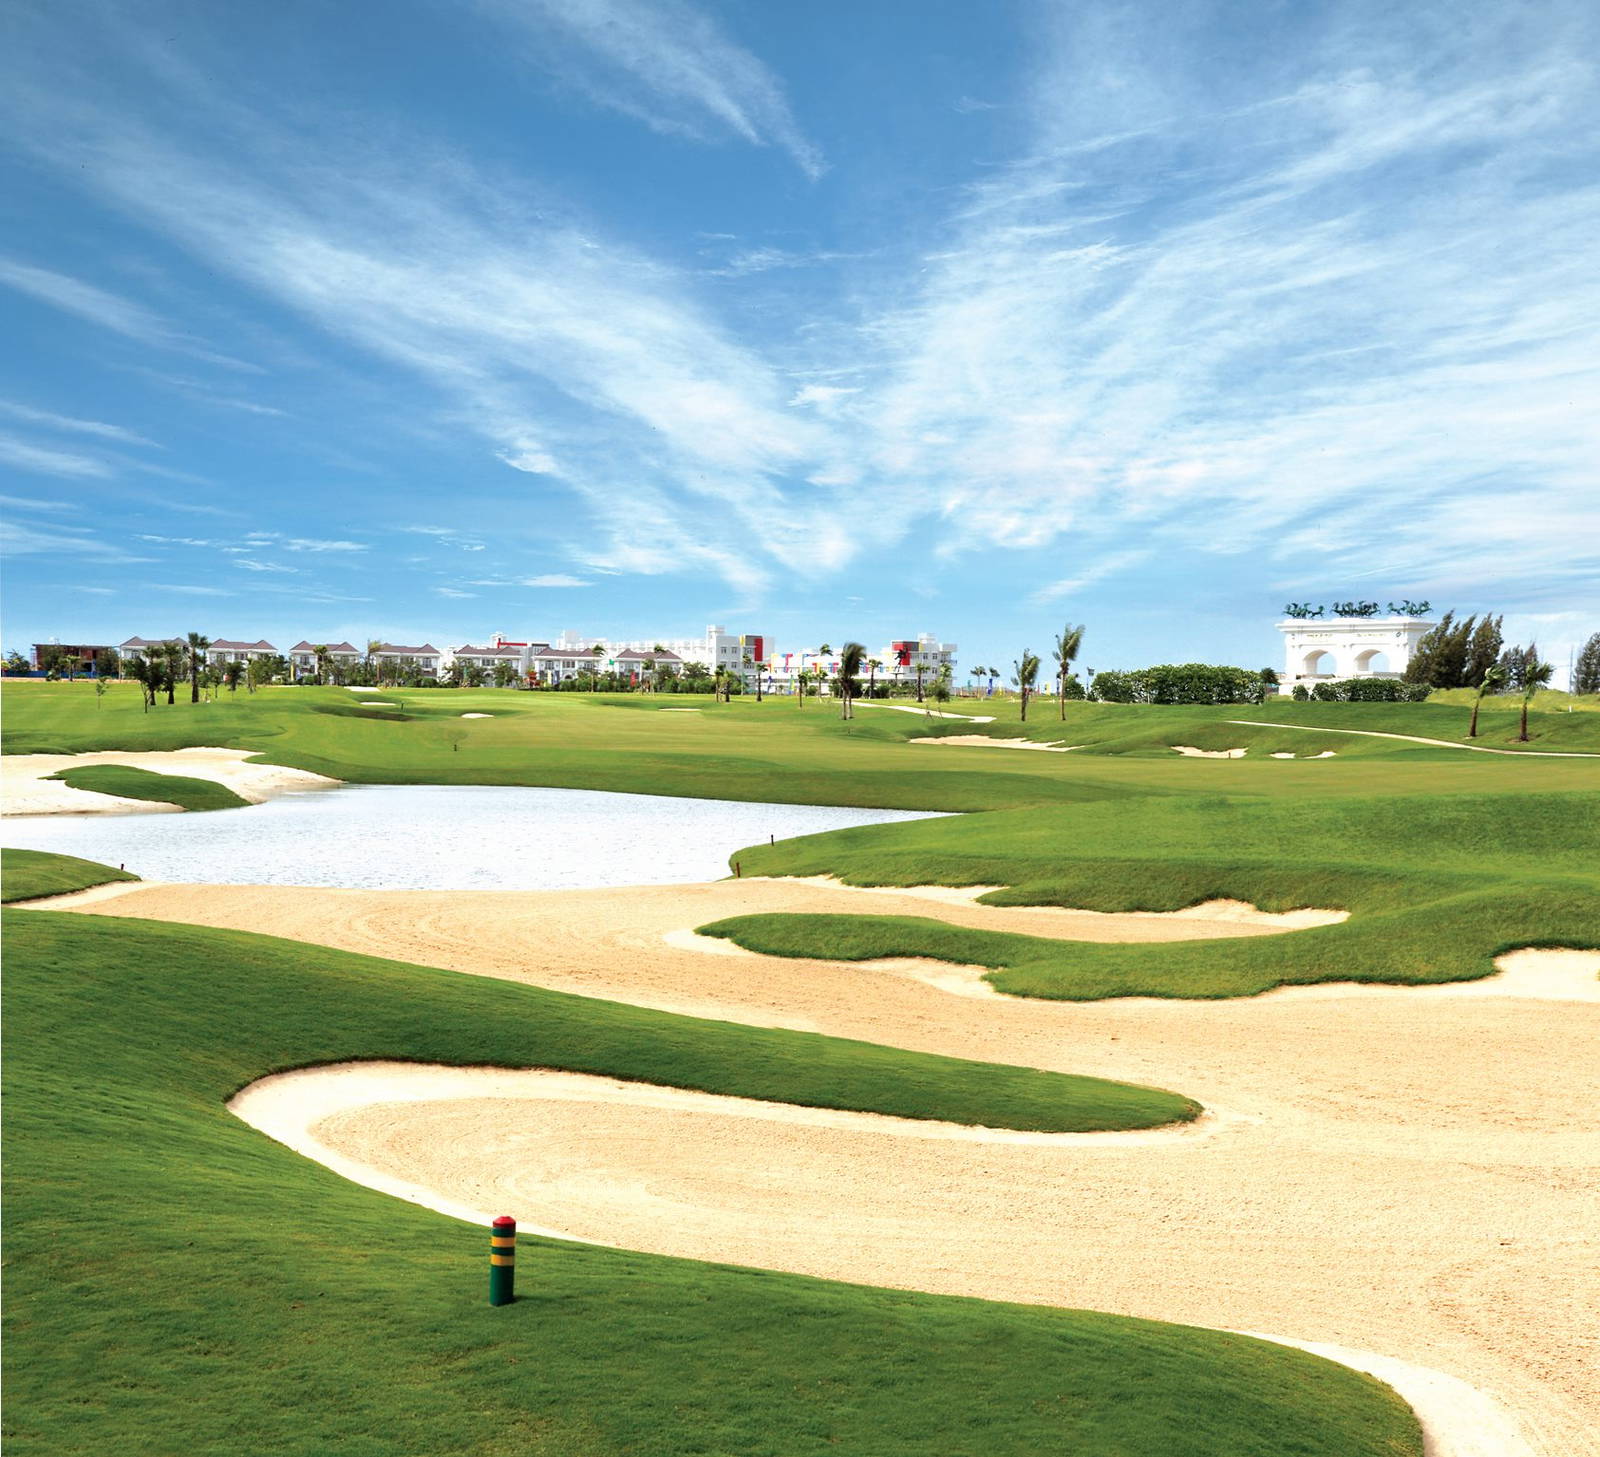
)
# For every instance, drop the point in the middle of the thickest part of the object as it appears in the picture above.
(1176, 683)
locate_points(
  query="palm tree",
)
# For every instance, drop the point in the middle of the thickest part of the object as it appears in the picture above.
(197, 645)
(872, 677)
(319, 651)
(1027, 670)
(1066, 649)
(849, 677)
(1535, 676)
(1493, 677)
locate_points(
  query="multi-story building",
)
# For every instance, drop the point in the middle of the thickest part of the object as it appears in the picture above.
(222, 652)
(557, 663)
(340, 655)
(515, 655)
(739, 653)
(897, 664)
(68, 657)
(145, 644)
(425, 658)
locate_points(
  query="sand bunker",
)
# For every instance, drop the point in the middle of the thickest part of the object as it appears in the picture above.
(983, 741)
(26, 789)
(606, 1162)
(1189, 752)
(477, 715)
(1365, 1193)
(1325, 754)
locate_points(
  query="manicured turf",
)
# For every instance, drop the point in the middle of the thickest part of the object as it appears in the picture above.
(777, 750)
(179, 1283)
(1436, 887)
(129, 783)
(26, 874)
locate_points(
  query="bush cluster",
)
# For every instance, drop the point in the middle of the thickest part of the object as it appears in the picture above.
(1363, 690)
(1170, 683)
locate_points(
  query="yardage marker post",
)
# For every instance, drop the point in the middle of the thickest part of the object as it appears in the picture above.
(502, 1260)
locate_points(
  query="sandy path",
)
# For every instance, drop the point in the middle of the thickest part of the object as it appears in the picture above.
(25, 789)
(1307, 728)
(1405, 1171)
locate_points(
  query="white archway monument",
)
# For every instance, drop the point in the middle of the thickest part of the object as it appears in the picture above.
(1322, 649)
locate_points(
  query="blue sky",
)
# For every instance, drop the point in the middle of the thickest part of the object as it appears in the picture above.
(428, 319)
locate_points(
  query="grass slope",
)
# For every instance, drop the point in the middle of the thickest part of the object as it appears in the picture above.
(27, 874)
(1436, 887)
(129, 783)
(177, 1282)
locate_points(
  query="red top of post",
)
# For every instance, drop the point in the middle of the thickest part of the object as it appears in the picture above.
(503, 1220)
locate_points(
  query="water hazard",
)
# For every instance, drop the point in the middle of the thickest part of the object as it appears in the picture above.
(439, 837)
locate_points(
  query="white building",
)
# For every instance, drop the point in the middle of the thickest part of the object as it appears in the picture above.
(303, 657)
(1320, 650)
(897, 663)
(222, 652)
(515, 655)
(740, 653)
(425, 658)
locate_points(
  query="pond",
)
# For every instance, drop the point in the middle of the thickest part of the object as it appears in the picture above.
(439, 837)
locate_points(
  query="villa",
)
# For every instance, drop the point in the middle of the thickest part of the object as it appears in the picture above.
(303, 657)
(425, 659)
(222, 652)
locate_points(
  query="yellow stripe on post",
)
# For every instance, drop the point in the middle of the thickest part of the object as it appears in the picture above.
(502, 1260)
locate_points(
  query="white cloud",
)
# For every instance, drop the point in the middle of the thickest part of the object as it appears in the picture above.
(663, 62)
(453, 592)
(73, 296)
(32, 503)
(822, 395)
(19, 540)
(555, 579)
(67, 423)
(187, 591)
(317, 544)
(43, 461)
(250, 565)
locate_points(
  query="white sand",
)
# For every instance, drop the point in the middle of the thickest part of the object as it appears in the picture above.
(363, 690)
(477, 715)
(1325, 754)
(25, 789)
(1192, 753)
(1408, 1171)
(983, 741)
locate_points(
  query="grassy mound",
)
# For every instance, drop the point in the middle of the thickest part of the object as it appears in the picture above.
(1437, 887)
(27, 874)
(129, 783)
(230, 1296)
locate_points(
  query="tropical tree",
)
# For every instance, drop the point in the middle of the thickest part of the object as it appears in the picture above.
(1535, 675)
(139, 668)
(1065, 649)
(504, 674)
(108, 663)
(941, 683)
(319, 652)
(1027, 674)
(99, 690)
(848, 678)
(1493, 676)
(231, 674)
(195, 646)
(16, 664)
(872, 677)
(1586, 674)
(370, 662)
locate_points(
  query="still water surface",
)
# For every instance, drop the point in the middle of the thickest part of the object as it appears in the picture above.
(439, 837)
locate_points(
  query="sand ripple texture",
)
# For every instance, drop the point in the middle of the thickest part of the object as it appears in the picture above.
(1413, 1172)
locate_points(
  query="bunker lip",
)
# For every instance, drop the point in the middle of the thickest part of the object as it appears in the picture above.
(26, 789)
(308, 1110)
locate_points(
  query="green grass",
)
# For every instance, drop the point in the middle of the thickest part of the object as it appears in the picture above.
(27, 874)
(130, 783)
(177, 1282)
(778, 750)
(1436, 887)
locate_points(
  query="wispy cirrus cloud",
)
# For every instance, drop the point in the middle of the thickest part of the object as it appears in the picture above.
(17, 539)
(86, 301)
(665, 62)
(50, 421)
(43, 460)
